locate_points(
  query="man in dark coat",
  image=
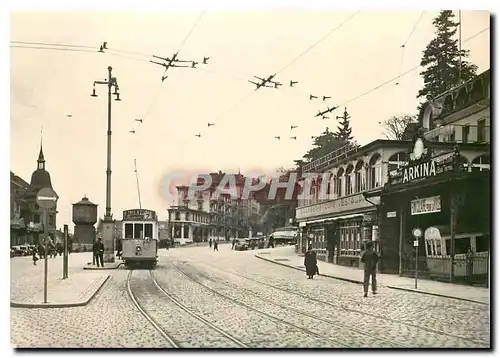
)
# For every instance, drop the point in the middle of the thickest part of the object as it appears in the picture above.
(99, 252)
(310, 262)
(370, 259)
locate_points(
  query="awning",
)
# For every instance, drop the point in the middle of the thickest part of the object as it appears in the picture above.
(17, 223)
(334, 218)
(284, 234)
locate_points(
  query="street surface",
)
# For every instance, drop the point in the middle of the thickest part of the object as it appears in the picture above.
(200, 298)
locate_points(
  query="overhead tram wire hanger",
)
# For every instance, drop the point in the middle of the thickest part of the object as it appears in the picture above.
(237, 103)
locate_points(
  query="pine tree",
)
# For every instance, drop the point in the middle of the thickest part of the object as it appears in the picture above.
(441, 59)
(323, 144)
(344, 129)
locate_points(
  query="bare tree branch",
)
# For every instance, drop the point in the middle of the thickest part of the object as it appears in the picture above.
(394, 127)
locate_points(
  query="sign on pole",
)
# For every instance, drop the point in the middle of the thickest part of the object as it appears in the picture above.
(46, 199)
(417, 234)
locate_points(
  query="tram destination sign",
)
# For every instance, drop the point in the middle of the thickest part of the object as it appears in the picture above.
(139, 214)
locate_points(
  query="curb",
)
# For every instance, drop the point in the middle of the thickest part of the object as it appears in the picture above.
(102, 268)
(436, 294)
(388, 286)
(59, 305)
(296, 268)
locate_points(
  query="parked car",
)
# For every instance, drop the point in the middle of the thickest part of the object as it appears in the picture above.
(241, 245)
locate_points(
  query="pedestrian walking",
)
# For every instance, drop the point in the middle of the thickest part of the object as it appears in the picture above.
(370, 259)
(119, 248)
(311, 263)
(35, 258)
(210, 243)
(234, 243)
(99, 252)
(216, 245)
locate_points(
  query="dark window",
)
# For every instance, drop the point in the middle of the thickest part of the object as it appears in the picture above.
(462, 245)
(138, 231)
(51, 219)
(483, 243)
(481, 130)
(200, 206)
(187, 216)
(177, 215)
(36, 218)
(186, 232)
(129, 231)
(148, 230)
(465, 134)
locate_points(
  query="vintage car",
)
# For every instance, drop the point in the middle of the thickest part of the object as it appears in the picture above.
(241, 245)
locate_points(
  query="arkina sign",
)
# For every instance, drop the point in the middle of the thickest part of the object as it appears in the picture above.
(422, 170)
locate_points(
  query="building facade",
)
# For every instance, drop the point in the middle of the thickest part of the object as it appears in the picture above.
(336, 218)
(443, 190)
(24, 208)
(211, 215)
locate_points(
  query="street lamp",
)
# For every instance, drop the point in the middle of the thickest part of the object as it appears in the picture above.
(108, 223)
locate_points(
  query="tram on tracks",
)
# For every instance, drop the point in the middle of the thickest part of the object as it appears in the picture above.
(140, 238)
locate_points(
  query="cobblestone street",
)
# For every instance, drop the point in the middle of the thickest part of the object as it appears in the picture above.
(200, 298)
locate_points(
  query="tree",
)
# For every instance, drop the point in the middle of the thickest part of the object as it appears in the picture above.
(445, 65)
(323, 144)
(396, 127)
(344, 129)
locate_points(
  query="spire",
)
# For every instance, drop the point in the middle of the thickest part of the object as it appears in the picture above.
(41, 159)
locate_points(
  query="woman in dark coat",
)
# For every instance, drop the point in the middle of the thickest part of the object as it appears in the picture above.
(310, 262)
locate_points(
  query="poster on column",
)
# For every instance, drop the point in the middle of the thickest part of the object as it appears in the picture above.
(428, 205)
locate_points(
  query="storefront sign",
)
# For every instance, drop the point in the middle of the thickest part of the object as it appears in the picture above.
(334, 206)
(422, 170)
(426, 205)
(391, 214)
(139, 214)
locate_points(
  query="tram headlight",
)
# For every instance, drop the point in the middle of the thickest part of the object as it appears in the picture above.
(138, 249)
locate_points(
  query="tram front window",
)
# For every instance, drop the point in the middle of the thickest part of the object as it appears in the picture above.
(138, 231)
(148, 230)
(129, 231)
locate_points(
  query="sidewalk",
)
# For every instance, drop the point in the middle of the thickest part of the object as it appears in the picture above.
(27, 280)
(286, 256)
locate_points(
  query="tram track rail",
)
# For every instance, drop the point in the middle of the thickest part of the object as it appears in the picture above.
(390, 343)
(260, 312)
(175, 343)
(347, 309)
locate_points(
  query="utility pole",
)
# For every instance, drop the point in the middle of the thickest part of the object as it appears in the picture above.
(108, 223)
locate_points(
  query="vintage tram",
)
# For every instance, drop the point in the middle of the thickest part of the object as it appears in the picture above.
(139, 238)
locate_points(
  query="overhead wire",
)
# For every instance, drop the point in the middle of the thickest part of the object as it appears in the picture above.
(342, 104)
(403, 46)
(329, 33)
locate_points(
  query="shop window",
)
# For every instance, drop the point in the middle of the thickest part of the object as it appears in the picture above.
(483, 243)
(177, 231)
(148, 230)
(462, 245)
(186, 232)
(129, 231)
(465, 134)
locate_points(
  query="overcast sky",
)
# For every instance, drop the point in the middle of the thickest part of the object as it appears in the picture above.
(46, 85)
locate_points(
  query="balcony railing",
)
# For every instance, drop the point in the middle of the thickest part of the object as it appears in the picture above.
(459, 133)
(331, 157)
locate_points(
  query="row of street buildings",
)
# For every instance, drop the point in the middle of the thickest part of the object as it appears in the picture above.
(438, 182)
(25, 216)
